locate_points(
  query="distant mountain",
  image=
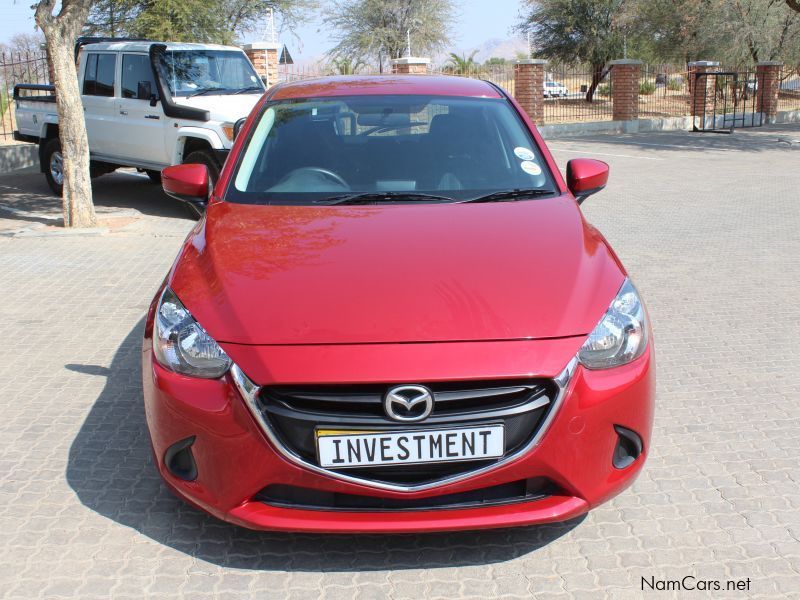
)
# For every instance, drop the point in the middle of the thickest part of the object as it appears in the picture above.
(507, 48)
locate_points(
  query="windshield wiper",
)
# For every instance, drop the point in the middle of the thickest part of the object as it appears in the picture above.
(514, 194)
(376, 197)
(207, 91)
(252, 88)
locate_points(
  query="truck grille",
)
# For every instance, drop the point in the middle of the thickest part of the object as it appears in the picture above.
(294, 412)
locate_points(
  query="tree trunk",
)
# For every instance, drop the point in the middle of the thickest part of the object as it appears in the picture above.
(598, 72)
(60, 35)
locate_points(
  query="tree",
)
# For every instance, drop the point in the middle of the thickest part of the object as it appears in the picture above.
(112, 18)
(60, 31)
(243, 16)
(794, 5)
(181, 21)
(463, 63)
(591, 31)
(346, 66)
(211, 21)
(374, 29)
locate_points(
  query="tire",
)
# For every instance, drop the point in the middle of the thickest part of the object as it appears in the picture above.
(202, 157)
(155, 176)
(53, 166)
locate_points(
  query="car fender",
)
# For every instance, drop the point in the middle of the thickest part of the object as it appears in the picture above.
(184, 133)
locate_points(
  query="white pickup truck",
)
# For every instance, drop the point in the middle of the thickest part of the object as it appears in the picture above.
(147, 104)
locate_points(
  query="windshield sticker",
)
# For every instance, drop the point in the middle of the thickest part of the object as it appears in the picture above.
(524, 153)
(531, 168)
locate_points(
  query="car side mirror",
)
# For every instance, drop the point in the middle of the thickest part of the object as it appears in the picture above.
(187, 183)
(586, 177)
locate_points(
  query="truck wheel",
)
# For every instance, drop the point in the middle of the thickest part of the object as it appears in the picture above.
(155, 176)
(202, 157)
(53, 166)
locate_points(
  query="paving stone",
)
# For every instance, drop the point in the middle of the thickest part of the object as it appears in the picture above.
(707, 227)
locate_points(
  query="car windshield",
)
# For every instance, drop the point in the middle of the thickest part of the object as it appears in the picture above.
(388, 148)
(188, 72)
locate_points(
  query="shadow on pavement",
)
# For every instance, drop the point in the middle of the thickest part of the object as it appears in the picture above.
(111, 469)
(120, 190)
(769, 138)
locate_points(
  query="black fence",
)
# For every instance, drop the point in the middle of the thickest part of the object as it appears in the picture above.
(16, 68)
(566, 94)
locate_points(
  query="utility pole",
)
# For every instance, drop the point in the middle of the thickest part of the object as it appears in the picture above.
(408, 41)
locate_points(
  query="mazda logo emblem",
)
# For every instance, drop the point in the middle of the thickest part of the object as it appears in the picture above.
(408, 403)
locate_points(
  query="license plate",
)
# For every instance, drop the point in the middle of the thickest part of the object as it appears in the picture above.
(355, 448)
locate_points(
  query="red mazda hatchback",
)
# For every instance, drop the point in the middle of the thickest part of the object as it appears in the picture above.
(393, 317)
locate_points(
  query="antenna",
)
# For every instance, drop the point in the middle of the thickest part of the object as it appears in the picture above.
(270, 28)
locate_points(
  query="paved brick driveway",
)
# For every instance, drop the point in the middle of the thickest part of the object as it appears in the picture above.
(710, 231)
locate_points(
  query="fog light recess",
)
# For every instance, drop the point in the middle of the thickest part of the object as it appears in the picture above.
(179, 460)
(629, 447)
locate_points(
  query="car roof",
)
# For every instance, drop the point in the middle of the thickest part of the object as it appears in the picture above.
(144, 46)
(384, 85)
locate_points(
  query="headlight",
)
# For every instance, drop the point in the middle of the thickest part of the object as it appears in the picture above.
(620, 336)
(182, 345)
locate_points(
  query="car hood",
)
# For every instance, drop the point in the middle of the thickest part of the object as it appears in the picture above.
(222, 107)
(405, 273)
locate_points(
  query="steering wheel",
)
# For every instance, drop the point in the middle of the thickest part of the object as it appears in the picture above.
(317, 171)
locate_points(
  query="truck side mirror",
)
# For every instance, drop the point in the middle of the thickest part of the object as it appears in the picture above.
(144, 90)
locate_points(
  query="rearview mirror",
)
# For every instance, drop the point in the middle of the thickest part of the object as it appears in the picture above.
(586, 177)
(187, 183)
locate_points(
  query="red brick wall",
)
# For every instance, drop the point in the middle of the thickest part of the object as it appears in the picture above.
(768, 77)
(410, 68)
(701, 89)
(265, 62)
(625, 89)
(529, 88)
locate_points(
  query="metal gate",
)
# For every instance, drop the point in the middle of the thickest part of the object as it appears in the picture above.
(726, 100)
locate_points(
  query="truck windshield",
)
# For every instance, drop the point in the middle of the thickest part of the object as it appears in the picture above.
(388, 148)
(188, 72)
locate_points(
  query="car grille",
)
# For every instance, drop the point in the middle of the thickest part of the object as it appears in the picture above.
(294, 412)
(290, 496)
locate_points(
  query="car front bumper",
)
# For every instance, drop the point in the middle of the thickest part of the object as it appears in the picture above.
(234, 460)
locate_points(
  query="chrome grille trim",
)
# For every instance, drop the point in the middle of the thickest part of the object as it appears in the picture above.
(250, 391)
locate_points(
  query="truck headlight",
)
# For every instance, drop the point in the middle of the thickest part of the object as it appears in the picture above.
(180, 344)
(621, 335)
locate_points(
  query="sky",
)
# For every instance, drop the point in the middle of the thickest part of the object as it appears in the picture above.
(478, 21)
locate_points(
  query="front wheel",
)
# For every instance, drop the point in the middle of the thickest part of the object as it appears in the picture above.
(53, 166)
(202, 157)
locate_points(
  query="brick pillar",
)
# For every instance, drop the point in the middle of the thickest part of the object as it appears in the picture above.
(529, 87)
(264, 56)
(410, 65)
(768, 76)
(625, 89)
(701, 89)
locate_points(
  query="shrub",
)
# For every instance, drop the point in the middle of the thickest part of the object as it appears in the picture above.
(675, 84)
(646, 88)
(604, 89)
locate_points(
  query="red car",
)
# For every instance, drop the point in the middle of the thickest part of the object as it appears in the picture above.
(393, 317)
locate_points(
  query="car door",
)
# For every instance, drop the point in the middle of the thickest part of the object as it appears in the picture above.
(142, 125)
(99, 102)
